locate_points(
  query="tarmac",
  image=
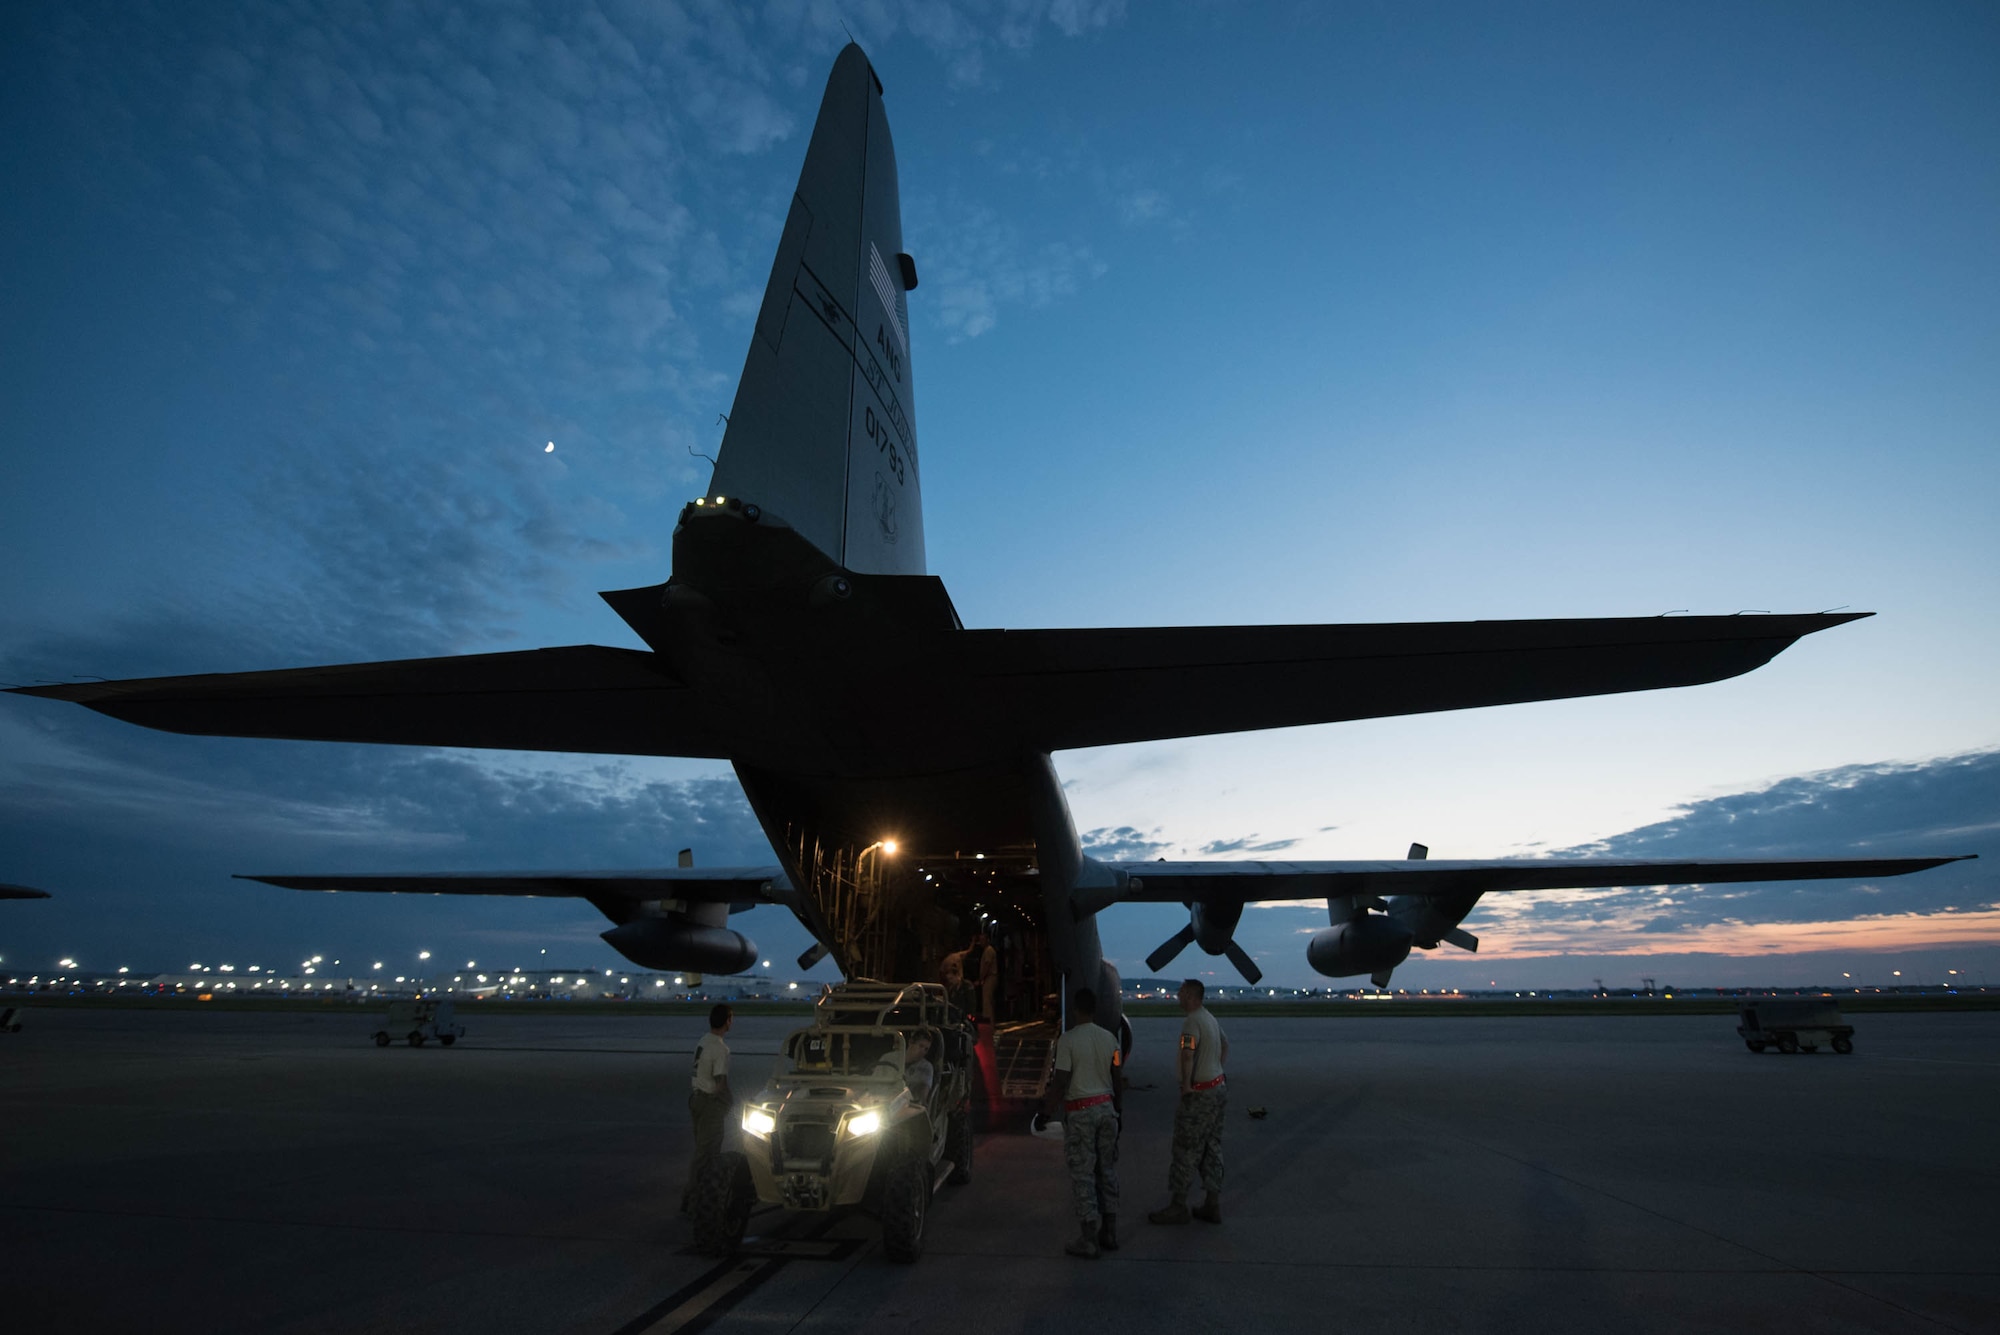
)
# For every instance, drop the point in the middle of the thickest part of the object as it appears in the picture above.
(216, 1172)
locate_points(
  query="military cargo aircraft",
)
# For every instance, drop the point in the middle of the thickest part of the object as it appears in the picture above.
(900, 763)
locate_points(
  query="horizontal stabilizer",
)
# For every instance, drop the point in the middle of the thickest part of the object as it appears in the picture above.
(22, 892)
(1249, 882)
(1075, 688)
(703, 885)
(581, 698)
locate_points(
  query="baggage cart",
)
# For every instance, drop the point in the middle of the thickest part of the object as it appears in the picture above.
(417, 1021)
(1794, 1024)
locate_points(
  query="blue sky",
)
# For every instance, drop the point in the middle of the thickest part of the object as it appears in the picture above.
(1228, 314)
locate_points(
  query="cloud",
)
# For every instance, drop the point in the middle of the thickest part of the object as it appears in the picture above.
(1248, 843)
(977, 262)
(1124, 844)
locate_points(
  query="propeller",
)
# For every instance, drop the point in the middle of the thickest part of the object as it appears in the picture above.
(1171, 948)
(1213, 927)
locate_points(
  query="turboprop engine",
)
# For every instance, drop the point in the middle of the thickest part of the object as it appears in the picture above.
(1370, 943)
(1373, 937)
(679, 941)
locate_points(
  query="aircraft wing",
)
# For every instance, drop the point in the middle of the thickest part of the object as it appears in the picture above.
(1074, 688)
(709, 885)
(584, 697)
(1252, 882)
(22, 892)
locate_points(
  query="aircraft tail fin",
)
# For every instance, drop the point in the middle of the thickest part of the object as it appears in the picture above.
(822, 434)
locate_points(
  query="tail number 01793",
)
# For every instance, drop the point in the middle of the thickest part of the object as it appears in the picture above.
(878, 431)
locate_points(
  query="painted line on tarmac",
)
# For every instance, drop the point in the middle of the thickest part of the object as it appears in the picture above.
(708, 1297)
(691, 1308)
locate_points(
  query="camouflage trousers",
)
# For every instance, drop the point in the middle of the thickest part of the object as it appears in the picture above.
(711, 1117)
(1090, 1148)
(1198, 1141)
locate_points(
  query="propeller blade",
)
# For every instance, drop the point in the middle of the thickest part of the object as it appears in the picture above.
(1170, 949)
(1381, 979)
(813, 955)
(1418, 852)
(1244, 964)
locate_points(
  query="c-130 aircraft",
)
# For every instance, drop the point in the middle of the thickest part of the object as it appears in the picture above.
(898, 762)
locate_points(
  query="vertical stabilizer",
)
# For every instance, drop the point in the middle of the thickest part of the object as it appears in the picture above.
(823, 432)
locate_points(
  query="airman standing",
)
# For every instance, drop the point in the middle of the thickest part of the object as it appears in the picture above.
(1087, 1076)
(709, 1101)
(1198, 1117)
(982, 971)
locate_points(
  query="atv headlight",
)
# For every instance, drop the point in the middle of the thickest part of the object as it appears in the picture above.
(758, 1122)
(864, 1124)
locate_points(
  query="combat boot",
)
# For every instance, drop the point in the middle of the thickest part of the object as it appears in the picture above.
(1176, 1212)
(1210, 1210)
(1084, 1244)
(1107, 1233)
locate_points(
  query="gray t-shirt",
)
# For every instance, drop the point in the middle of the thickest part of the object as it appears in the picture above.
(1087, 1052)
(711, 1062)
(1201, 1032)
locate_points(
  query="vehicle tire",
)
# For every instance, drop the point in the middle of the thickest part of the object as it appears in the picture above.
(1843, 1044)
(958, 1147)
(723, 1196)
(906, 1199)
(1787, 1043)
(416, 1039)
(381, 1039)
(447, 1039)
(1755, 1045)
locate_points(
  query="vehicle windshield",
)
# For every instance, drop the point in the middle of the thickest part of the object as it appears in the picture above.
(818, 1052)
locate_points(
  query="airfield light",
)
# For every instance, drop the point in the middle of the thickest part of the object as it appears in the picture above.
(677, 982)
(66, 964)
(1897, 972)
(792, 987)
(318, 958)
(767, 964)
(469, 964)
(378, 964)
(312, 971)
(229, 968)
(123, 969)
(423, 954)
(659, 982)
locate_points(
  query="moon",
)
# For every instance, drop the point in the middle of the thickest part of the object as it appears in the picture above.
(551, 448)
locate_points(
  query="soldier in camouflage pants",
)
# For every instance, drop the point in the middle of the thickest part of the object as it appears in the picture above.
(1090, 1148)
(1198, 1142)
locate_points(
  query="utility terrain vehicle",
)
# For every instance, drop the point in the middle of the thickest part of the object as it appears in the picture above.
(847, 1121)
